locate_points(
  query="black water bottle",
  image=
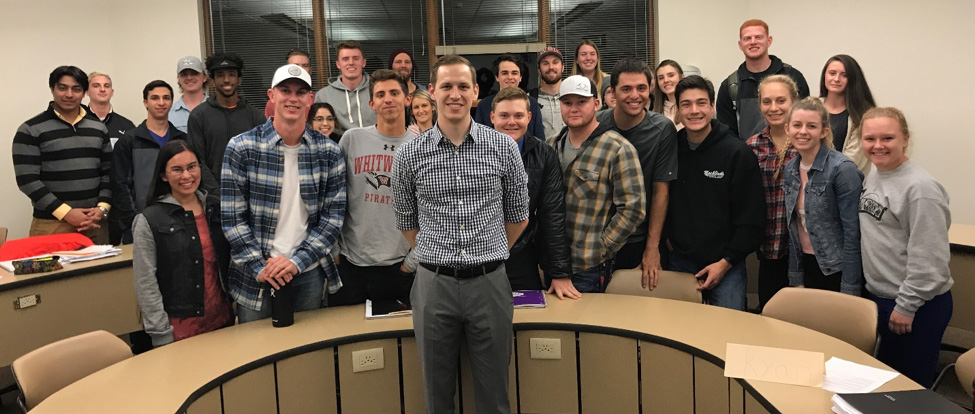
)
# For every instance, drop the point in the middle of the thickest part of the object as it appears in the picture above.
(283, 306)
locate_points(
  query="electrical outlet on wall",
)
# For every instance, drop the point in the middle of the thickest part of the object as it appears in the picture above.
(367, 360)
(545, 348)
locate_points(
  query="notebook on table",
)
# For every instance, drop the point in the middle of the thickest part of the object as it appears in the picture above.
(528, 299)
(895, 402)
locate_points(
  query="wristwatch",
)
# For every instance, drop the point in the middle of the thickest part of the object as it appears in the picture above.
(104, 212)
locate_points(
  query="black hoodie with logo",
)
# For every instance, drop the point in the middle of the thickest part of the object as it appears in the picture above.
(717, 203)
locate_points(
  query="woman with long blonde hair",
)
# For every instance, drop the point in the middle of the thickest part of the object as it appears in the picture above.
(587, 63)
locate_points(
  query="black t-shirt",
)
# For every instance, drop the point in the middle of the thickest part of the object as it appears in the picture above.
(838, 123)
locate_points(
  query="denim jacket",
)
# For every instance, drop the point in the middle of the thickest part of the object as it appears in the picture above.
(832, 220)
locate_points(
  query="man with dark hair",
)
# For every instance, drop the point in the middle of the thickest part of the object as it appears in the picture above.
(374, 262)
(507, 71)
(220, 117)
(192, 81)
(655, 140)
(295, 57)
(461, 199)
(134, 156)
(347, 93)
(62, 160)
(401, 60)
(544, 243)
(282, 203)
(716, 215)
(604, 192)
(550, 70)
(738, 94)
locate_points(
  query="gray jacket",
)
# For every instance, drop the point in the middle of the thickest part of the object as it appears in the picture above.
(351, 105)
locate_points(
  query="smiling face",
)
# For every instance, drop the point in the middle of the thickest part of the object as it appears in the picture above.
(550, 69)
(667, 78)
(158, 102)
(291, 99)
(100, 89)
(632, 93)
(578, 111)
(403, 64)
(509, 74)
(835, 77)
(227, 81)
(183, 174)
(696, 109)
(754, 42)
(422, 110)
(388, 100)
(511, 117)
(67, 94)
(775, 102)
(323, 121)
(454, 92)
(350, 62)
(884, 142)
(806, 131)
(587, 58)
(191, 80)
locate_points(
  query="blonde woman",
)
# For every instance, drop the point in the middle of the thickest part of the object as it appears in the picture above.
(776, 95)
(423, 111)
(904, 220)
(587, 63)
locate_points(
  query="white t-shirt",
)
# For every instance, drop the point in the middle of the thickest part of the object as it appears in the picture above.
(292, 228)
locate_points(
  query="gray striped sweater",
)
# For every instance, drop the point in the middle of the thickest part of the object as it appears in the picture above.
(58, 163)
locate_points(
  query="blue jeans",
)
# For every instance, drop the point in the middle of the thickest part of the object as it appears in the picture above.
(595, 279)
(309, 286)
(728, 293)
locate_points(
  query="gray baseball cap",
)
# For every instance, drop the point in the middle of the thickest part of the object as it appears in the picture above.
(189, 62)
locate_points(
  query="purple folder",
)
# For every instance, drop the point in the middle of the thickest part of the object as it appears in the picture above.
(528, 299)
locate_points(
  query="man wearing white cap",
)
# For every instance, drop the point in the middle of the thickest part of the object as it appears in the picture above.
(282, 193)
(604, 184)
(192, 83)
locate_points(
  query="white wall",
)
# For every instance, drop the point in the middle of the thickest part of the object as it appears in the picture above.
(915, 57)
(134, 41)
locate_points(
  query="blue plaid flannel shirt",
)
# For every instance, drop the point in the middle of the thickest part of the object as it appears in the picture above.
(250, 195)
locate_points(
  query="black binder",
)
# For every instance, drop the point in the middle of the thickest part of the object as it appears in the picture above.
(896, 402)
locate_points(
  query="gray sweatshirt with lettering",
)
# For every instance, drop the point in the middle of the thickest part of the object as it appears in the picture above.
(904, 220)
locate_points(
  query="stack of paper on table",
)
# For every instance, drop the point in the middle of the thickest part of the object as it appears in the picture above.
(848, 377)
(88, 253)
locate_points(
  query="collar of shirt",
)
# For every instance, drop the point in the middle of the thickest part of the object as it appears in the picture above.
(81, 115)
(473, 132)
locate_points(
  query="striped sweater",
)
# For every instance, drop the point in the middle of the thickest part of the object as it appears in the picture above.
(57, 163)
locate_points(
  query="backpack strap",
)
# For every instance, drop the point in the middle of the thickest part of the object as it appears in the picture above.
(733, 89)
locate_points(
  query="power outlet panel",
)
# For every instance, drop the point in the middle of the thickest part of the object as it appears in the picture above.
(27, 301)
(545, 348)
(367, 360)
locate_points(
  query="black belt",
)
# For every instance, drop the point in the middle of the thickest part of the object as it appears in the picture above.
(464, 273)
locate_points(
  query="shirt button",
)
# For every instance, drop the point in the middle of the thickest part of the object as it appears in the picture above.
(192, 237)
(462, 251)
(197, 286)
(461, 226)
(196, 261)
(458, 177)
(456, 152)
(172, 229)
(460, 201)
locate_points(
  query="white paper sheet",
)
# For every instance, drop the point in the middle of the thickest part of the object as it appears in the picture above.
(848, 377)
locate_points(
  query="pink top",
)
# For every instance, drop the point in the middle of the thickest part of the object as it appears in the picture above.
(216, 309)
(801, 210)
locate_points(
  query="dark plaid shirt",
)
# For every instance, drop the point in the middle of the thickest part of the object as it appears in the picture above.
(776, 243)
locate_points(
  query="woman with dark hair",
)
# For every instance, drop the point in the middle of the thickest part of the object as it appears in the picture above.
(847, 97)
(321, 117)
(587, 63)
(180, 254)
(668, 74)
(904, 220)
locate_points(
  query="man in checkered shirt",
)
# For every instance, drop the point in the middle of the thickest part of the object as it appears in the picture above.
(461, 199)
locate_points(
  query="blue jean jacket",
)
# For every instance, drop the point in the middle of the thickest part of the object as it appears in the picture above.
(832, 221)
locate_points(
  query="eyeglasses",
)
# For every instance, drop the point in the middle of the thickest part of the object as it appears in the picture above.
(179, 170)
(322, 119)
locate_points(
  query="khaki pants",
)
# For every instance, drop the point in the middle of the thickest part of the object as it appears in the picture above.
(44, 227)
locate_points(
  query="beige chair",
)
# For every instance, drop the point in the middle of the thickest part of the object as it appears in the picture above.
(48, 369)
(965, 370)
(672, 285)
(848, 318)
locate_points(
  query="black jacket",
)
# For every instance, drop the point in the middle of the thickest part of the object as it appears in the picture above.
(179, 255)
(133, 162)
(746, 120)
(545, 240)
(717, 203)
(210, 128)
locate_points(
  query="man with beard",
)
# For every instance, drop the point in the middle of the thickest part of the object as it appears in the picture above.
(507, 72)
(220, 117)
(550, 74)
(401, 60)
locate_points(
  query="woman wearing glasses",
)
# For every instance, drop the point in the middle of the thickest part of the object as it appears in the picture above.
(321, 117)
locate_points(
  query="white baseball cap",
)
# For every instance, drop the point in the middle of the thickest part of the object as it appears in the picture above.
(577, 85)
(290, 71)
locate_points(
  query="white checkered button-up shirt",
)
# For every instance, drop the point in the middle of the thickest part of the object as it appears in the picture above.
(459, 197)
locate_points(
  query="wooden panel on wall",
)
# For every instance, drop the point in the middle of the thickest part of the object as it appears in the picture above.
(209, 403)
(374, 391)
(608, 374)
(306, 383)
(546, 385)
(667, 379)
(413, 402)
(251, 393)
(736, 397)
(710, 387)
(752, 406)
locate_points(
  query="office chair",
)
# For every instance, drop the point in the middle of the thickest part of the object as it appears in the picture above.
(672, 285)
(846, 317)
(50, 368)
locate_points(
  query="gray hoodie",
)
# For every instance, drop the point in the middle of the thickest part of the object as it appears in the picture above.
(351, 105)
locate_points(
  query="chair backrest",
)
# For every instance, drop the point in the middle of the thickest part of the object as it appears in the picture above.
(846, 317)
(48, 369)
(672, 285)
(965, 370)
